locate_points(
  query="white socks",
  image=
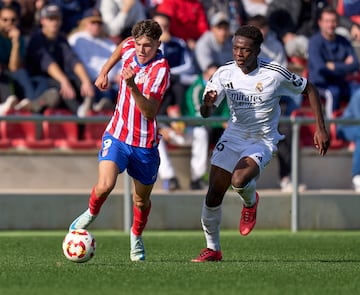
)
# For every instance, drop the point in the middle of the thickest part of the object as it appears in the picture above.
(247, 193)
(210, 220)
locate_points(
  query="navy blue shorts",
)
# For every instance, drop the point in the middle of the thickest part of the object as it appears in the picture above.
(141, 163)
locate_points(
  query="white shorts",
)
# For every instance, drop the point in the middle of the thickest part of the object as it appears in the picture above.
(227, 153)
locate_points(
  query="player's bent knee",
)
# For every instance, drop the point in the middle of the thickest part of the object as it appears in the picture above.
(142, 205)
(103, 190)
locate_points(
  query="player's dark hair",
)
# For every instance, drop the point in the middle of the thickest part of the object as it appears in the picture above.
(148, 28)
(250, 32)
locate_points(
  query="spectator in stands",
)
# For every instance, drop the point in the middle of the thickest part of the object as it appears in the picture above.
(11, 50)
(17, 87)
(295, 21)
(93, 47)
(49, 56)
(72, 11)
(352, 133)
(119, 16)
(332, 59)
(188, 19)
(348, 8)
(273, 49)
(256, 7)
(38, 6)
(214, 46)
(12, 3)
(234, 9)
(27, 16)
(349, 12)
(181, 62)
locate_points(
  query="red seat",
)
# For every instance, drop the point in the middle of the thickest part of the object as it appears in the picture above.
(336, 143)
(307, 130)
(64, 134)
(95, 130)
(4, 142)
(23, 134)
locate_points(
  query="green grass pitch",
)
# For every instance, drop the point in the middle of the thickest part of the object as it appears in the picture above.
(265, 262)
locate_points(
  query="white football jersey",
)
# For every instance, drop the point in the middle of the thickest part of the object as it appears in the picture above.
(253, 98)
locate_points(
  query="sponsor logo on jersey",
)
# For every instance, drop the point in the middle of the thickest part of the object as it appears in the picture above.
(251, 99)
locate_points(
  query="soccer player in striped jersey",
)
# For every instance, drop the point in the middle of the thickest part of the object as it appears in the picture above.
(252, 87)
(131, 138)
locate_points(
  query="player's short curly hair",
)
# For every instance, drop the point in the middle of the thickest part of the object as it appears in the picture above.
(148, 28)
(250, 32)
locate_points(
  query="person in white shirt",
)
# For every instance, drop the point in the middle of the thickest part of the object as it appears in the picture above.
(119, 16)
(252, 87)
(93, 47)
(214, 46)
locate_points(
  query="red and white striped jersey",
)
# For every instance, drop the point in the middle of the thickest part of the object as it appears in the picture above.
(128, 124)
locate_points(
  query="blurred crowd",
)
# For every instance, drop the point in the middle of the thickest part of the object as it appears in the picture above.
(52, 50)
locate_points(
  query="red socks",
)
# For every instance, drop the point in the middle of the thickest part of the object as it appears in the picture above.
(95, 203)
(140, 219)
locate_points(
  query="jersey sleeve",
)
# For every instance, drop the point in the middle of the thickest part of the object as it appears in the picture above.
(292, 84)
(215, 84)
(159, 80)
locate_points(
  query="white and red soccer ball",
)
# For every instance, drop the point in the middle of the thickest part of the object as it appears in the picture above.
(79, 245)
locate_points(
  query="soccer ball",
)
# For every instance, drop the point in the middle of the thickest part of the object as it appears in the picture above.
(79, 245)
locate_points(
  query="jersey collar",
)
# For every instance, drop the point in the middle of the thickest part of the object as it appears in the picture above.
(159, 55)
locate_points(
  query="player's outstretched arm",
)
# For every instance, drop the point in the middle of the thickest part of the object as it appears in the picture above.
(321, 136)
(102, 81)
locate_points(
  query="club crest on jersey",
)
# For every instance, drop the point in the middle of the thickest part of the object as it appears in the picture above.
(141, 78)
(259, 87)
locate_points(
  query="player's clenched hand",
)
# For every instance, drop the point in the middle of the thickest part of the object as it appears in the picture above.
(322, 141)
(102, 82)
(210, 97)
(128, 74)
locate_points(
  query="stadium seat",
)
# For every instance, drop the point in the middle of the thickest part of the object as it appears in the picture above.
(4, 142)
(23, 134)
(94, 130)
(337, 143)
(65, 134)
(307, 130)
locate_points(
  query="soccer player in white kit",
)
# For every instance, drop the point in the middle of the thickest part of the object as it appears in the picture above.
(252, 87)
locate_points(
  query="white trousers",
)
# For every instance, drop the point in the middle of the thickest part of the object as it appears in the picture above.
(196, 137)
